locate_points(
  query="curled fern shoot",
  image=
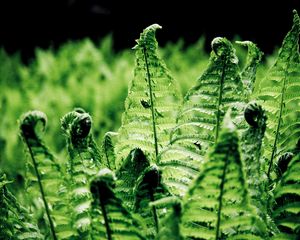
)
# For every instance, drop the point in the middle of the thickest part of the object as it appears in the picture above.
(251, 145)
(251, 148)
(46, 171)
(83, 165)
(152, 102)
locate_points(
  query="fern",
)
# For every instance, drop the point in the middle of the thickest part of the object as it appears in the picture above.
(251, 146)
(128, 174)
(287, 202)
(248, 74)
(15, 223)
(116, 221)
(139, 184)
(279, 95)
(217, 204)
(83, 165)
(43, 173)
(166, 185)
(198, 127)
(151, 104)
(108, 150)
(149, 188)
(283, 162)
(251, 152)
(170, 227)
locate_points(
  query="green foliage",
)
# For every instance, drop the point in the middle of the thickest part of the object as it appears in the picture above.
(116, 221)
(279, 95)
(83, 165)
(287, 201)
(151, 104)
(149, 188)
(251, 146)
(171, 225)
(15, 223)
(217, 204)
(173, 170)
(109, 157)
(248, 74)
(251, 153)
(128, 174)
(43, 174)
(198, 123)
(139, 183)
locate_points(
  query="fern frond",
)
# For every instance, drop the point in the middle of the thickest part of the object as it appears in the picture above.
(109, 156)
(43, 173)
(217, 204)
(286, 211)
(151, 104)
(115, 221)
(218, 89)
(283, 162)
(128, 174)
(15, 223)
(84, 164)
(149, 188)
(248, 74)
(279, 92)
(251, 149)
(251, 144)
(170, 226)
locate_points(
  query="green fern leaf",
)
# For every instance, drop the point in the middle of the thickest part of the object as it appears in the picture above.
(251, 144)
(287, 201)
(138, 185)
(251, 149)
(108, 150)
(218, 89)
(43, 173)
(149, 188)
(279, 93)
(217, 205)
(170, 227)
(15, 223)
(151, 104)
(116, 221)
(128, 174)
(248, 74)
(84, 164)
(6, 223)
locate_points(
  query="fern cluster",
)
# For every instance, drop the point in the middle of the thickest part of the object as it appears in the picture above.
(221, 163)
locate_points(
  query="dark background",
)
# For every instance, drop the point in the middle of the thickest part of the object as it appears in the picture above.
(25, 25)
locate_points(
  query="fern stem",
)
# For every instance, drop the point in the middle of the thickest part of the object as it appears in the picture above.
(274, 148)
(41, 190)
(220, 96)
(104, 213)
(152, 105)
(154, 210)
(107, 159)
(220, 198)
